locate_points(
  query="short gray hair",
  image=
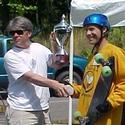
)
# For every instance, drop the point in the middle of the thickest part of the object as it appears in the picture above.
(20, 23)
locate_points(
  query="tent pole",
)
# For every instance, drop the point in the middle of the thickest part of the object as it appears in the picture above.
(70, 77)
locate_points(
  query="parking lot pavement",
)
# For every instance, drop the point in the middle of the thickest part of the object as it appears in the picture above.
(59, 109)
(2, 119)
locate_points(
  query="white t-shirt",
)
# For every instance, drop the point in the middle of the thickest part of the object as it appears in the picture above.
(21, 94)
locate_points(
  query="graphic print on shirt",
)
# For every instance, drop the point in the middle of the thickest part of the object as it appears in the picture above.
(88, 81)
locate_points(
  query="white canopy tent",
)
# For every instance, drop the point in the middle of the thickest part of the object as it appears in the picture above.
(114, 9)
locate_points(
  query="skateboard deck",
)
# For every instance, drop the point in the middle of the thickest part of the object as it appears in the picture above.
(101, 92)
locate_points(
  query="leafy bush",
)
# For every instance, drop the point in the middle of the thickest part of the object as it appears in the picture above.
(117, 36)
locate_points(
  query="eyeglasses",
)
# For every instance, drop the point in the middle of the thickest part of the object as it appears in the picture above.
(19, 32)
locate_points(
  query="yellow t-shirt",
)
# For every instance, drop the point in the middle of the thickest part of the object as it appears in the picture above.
(117, 92)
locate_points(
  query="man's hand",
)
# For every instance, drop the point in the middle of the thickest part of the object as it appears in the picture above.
(61, 90)
(53, 41)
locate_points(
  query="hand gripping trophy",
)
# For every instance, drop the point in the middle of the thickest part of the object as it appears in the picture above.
(62, 31)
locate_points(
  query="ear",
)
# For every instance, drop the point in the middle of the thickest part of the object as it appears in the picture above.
(29, 34)
(104, 30)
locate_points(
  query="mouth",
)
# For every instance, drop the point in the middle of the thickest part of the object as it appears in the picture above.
(90, 38)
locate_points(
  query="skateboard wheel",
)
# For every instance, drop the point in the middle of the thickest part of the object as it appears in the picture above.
(106, 71)
(98, 57)
(77, 114)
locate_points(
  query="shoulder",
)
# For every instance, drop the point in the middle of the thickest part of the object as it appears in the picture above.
(13, 54)
(112, 48)
(8, 54)
(11, 58)
(40, 47)
(115, 50)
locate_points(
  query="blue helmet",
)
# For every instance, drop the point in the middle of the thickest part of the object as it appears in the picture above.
(97, 19)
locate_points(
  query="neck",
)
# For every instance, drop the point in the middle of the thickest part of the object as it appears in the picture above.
(98, 47)
(103, 42)
(23, 46)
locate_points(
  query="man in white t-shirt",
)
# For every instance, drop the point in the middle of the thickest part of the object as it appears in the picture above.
(26, 65)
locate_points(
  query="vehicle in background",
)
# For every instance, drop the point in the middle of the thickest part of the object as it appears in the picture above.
(5, 45)
(61, 74)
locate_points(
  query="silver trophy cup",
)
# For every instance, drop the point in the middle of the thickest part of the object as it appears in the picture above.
(63, 31)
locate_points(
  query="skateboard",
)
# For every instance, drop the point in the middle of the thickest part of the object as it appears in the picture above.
(101, 91)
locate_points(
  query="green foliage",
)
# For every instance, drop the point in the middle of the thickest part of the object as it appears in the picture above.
(86, 52)
(21, 9)
(45, 14)
(117, 36)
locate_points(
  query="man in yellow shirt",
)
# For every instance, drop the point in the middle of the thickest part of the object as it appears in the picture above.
(97, 27)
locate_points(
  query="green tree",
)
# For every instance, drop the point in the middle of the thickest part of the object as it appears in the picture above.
(117, 36)
(43, 13)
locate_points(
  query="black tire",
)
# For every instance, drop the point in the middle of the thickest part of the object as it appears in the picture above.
(3, 94)
(64, 77)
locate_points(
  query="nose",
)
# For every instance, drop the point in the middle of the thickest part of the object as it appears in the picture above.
(15, 34)
(88, 32)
